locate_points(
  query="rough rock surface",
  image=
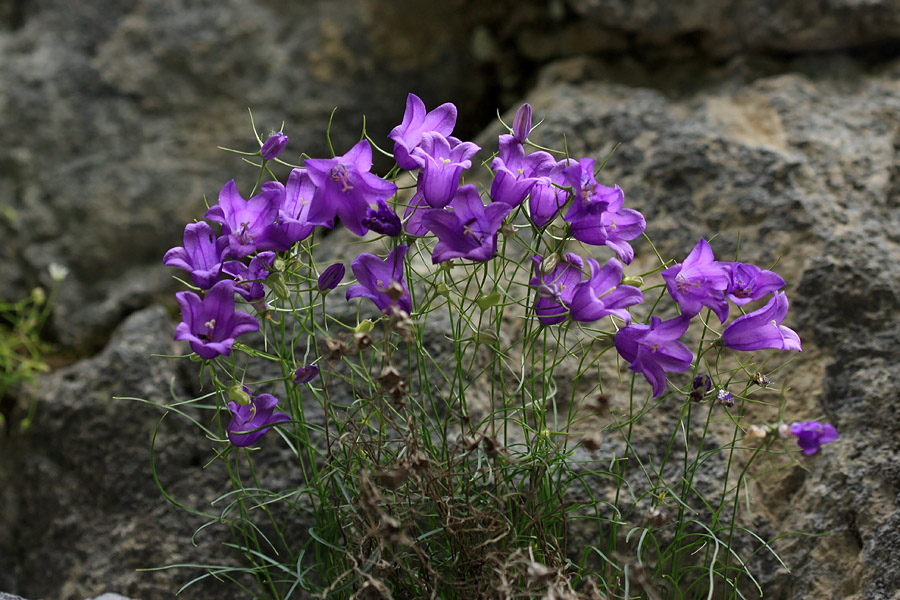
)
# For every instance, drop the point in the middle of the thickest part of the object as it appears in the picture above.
(111, 112)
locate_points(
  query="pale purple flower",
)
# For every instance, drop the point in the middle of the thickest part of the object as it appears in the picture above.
(383, 220)
(725, 398)
(331, 277)
(654, 349)
(251, 422)
(273, 146)
(381, 281)
(408, 135)
(749, 282)
(699, 281)
(201, 255)
(293, 216)
(249, 225)
(602, 295)
(812, 434)
(762, 329)
(442, 162)
(345, 188)
(522, 123)
(466, 229)
(306, 373)
(556, 288)
(211, 325)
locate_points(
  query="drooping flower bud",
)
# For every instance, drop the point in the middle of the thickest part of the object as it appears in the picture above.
(273, 146)
(238, 393)
(331, 277)
(306, 373)
(522, 123)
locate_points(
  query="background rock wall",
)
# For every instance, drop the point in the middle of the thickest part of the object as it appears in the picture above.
(776, 121)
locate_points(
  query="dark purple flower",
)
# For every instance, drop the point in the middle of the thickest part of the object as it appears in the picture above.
(273, 146)
(331, 277)
(201, 254)
(345, 188)
(602, 295)
(442, 162)
(762, 328)
(381, 281)
(812, 434)
(654, 349)
(700, 387)
(258, 415)
(211, 324)
(293, 216)
(306, 373)
(556, 287)
(250, 224)
(522, 123)
(514, 173)
(249, 279)
(383, 220)
(467, 229)
(408, 134)
(725, 398)
(749, 282)
(699, 281)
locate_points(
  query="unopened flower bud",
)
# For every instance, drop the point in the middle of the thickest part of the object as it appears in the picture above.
(522, 123)
(635, 281)
(487, 337)
(507, 229)
(784, 431)
(549, 264)
(755, 432)
(488, 300)
(38, 295)
(442, 289)
(331, 277)
(273, 146)
(306, 373)
(57, 271)
(364, 326)
(238, 393)
(276, 282)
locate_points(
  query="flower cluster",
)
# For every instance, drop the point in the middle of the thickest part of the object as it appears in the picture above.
(531, 190)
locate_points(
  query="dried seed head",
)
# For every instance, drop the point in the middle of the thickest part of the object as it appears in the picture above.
(755, 432)
(761, 380)
(598, 404)
(592, 441)
(362, 339)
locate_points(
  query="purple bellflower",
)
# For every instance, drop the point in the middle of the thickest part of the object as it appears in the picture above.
(345, 188)
(654, 349)
(442, 162)
(749, 282)
(273, 146)
(602, 295)
(248, 280)
(522, 123)
(331, 277)
(381, 281)
(383, 220)
(201, 254)
(293, 215)
(408, 134)
(258, 415)
(613, 227)
(249, 225)
(591, 198)
(547, 196)
(699, 281)
(762, 329)
(556, 288)
(468, 228)
(211, 325)
(514, 173)
(412, 218)
(812, 434)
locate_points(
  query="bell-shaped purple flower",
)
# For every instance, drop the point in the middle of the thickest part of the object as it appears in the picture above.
(381, 281)
(556, 287)
(201, 255)
(331, 277)
(273, 146)
(514, 173)
(248, 279)
(522, 123)
(467, 229)
(749, 282)
(383, 220)
(345, 188)
(762, 329)
(293, 216)
(408, 134)
(591, 198)
(211, 325)
(249, 225)
(251, 422)
(812, 434)
(654, 349)
(603, 222)
(442, 162)
(602, 295)
(699, 281)
(547, 196)
(306, 373)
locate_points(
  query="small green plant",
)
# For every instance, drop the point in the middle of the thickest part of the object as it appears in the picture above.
(22, 350)
(468, 428)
